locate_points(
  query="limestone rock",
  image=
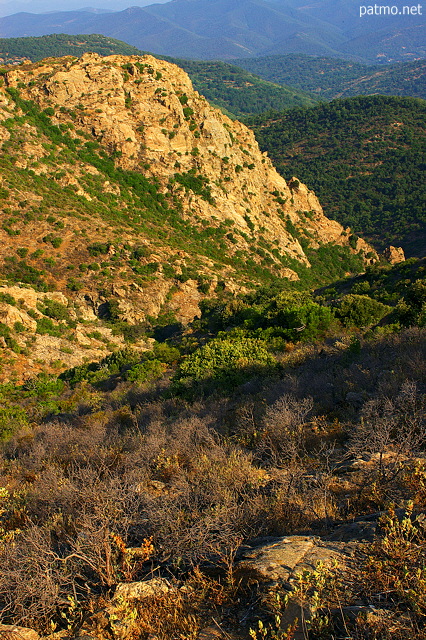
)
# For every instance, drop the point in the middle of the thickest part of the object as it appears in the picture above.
(10, 315)
(12, 632)
(146, 111)
(394, 254)
(284, 558)
(140, 590)
(276, 560)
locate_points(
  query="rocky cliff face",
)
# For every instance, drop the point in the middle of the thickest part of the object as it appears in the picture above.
(146, 112)
(124, 189)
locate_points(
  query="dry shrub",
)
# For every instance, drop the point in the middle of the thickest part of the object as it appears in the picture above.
(391, 433)
(285, 430)
(393, 579)
(33, 586)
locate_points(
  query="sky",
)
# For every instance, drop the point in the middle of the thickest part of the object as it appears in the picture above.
(8, 7)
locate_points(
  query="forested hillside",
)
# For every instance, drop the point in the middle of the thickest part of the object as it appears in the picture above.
(13, 50)
(240, 92)
(364, 157)
(329, 78)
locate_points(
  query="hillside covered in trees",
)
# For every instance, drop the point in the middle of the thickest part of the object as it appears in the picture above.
(13, 50)
(329, 78)
(364, 157)
(240, 92)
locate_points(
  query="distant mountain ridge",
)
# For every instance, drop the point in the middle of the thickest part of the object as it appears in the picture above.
(224, 29)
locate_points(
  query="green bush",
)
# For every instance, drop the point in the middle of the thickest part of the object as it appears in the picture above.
(7, 298)
(55, 310)
(55, 241)
(45, 326)
(165, 353)
(360, 311)
(12, 418)
(225, 359)
(148, 370)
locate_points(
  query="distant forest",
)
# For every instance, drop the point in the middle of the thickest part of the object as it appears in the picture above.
(240, 92)
(328, 78)
(61, 44)
(365, 159)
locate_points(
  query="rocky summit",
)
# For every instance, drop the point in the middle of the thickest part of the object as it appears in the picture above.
(126, 194)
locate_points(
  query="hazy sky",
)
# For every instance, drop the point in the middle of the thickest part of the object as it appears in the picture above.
(7, 7)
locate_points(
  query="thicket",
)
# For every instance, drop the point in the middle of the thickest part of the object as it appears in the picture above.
(123, 478)
(240, 428)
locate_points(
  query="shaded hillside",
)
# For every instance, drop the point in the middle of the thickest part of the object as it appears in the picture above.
(13, 50)
(364, 157)
(238, 91)
(330, 78)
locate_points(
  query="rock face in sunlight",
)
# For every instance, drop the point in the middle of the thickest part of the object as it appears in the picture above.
(146, 112)
(129, 195)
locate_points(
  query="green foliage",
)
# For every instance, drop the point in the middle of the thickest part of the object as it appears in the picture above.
(228, 360)
(411, 309)
(329, 78)
(54, 309)
(360, 311)
(166, 353)
(128, 363)
(12, 418)
(99, 248)
(238, 92)
(400, 288)
(45, 326)
(5, 334)
(366, 170)
(291, 316)
(7, 298)
(61, 44)
(43, 387)
(198, 184)
(55, 241)
(145, 371)
(21, 271)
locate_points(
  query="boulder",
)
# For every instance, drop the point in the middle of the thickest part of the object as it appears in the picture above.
(394, 254)
(140, 590)
(12, 632)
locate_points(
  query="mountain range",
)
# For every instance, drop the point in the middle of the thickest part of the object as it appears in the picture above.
(223, 29)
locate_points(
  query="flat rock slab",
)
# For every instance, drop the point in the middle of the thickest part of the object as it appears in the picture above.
(283, 559)
(140, 590)
(275, 560)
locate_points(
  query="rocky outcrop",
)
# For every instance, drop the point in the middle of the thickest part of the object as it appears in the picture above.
(82, 131)
(394, 255)
(146, 112)
(282, 560)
